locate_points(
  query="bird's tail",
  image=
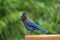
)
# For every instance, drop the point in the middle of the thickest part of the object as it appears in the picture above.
(45, 31)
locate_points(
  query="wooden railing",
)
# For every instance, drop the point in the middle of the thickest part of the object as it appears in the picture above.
(42, 37)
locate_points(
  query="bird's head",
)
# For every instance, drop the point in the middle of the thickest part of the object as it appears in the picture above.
(23, 17)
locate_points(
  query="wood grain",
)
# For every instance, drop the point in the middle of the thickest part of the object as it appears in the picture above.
(42, 37)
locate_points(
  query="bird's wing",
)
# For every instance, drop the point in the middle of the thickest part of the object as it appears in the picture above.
(34, 25)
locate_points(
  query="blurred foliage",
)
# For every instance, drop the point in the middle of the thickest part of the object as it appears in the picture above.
(46, 13)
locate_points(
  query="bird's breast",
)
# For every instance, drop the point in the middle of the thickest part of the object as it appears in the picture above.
(28, 20)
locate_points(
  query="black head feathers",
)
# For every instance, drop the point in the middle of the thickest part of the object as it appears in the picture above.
(23, 17)
(24, 14)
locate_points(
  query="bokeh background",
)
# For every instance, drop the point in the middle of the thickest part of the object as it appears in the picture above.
(45, 13)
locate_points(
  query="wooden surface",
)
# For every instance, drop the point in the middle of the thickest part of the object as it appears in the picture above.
(42, 37)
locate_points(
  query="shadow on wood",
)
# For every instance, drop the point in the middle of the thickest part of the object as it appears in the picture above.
(42, 37)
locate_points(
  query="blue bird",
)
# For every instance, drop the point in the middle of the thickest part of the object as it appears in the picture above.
(30, 25)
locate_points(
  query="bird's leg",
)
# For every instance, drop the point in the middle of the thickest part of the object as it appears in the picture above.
(31, 32)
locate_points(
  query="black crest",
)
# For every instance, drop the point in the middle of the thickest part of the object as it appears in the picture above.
(23, 16)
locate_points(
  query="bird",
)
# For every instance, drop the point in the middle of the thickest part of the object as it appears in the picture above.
(30, 24)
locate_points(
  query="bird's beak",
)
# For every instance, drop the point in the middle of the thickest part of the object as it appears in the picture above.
(20, 18)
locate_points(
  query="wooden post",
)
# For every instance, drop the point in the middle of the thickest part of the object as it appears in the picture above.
(42, 37)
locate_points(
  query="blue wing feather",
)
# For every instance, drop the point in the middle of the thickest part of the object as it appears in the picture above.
(34, 25)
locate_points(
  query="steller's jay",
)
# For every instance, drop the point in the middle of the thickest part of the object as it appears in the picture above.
(30, 25)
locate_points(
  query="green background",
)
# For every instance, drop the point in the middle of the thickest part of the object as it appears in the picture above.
(45, 13)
